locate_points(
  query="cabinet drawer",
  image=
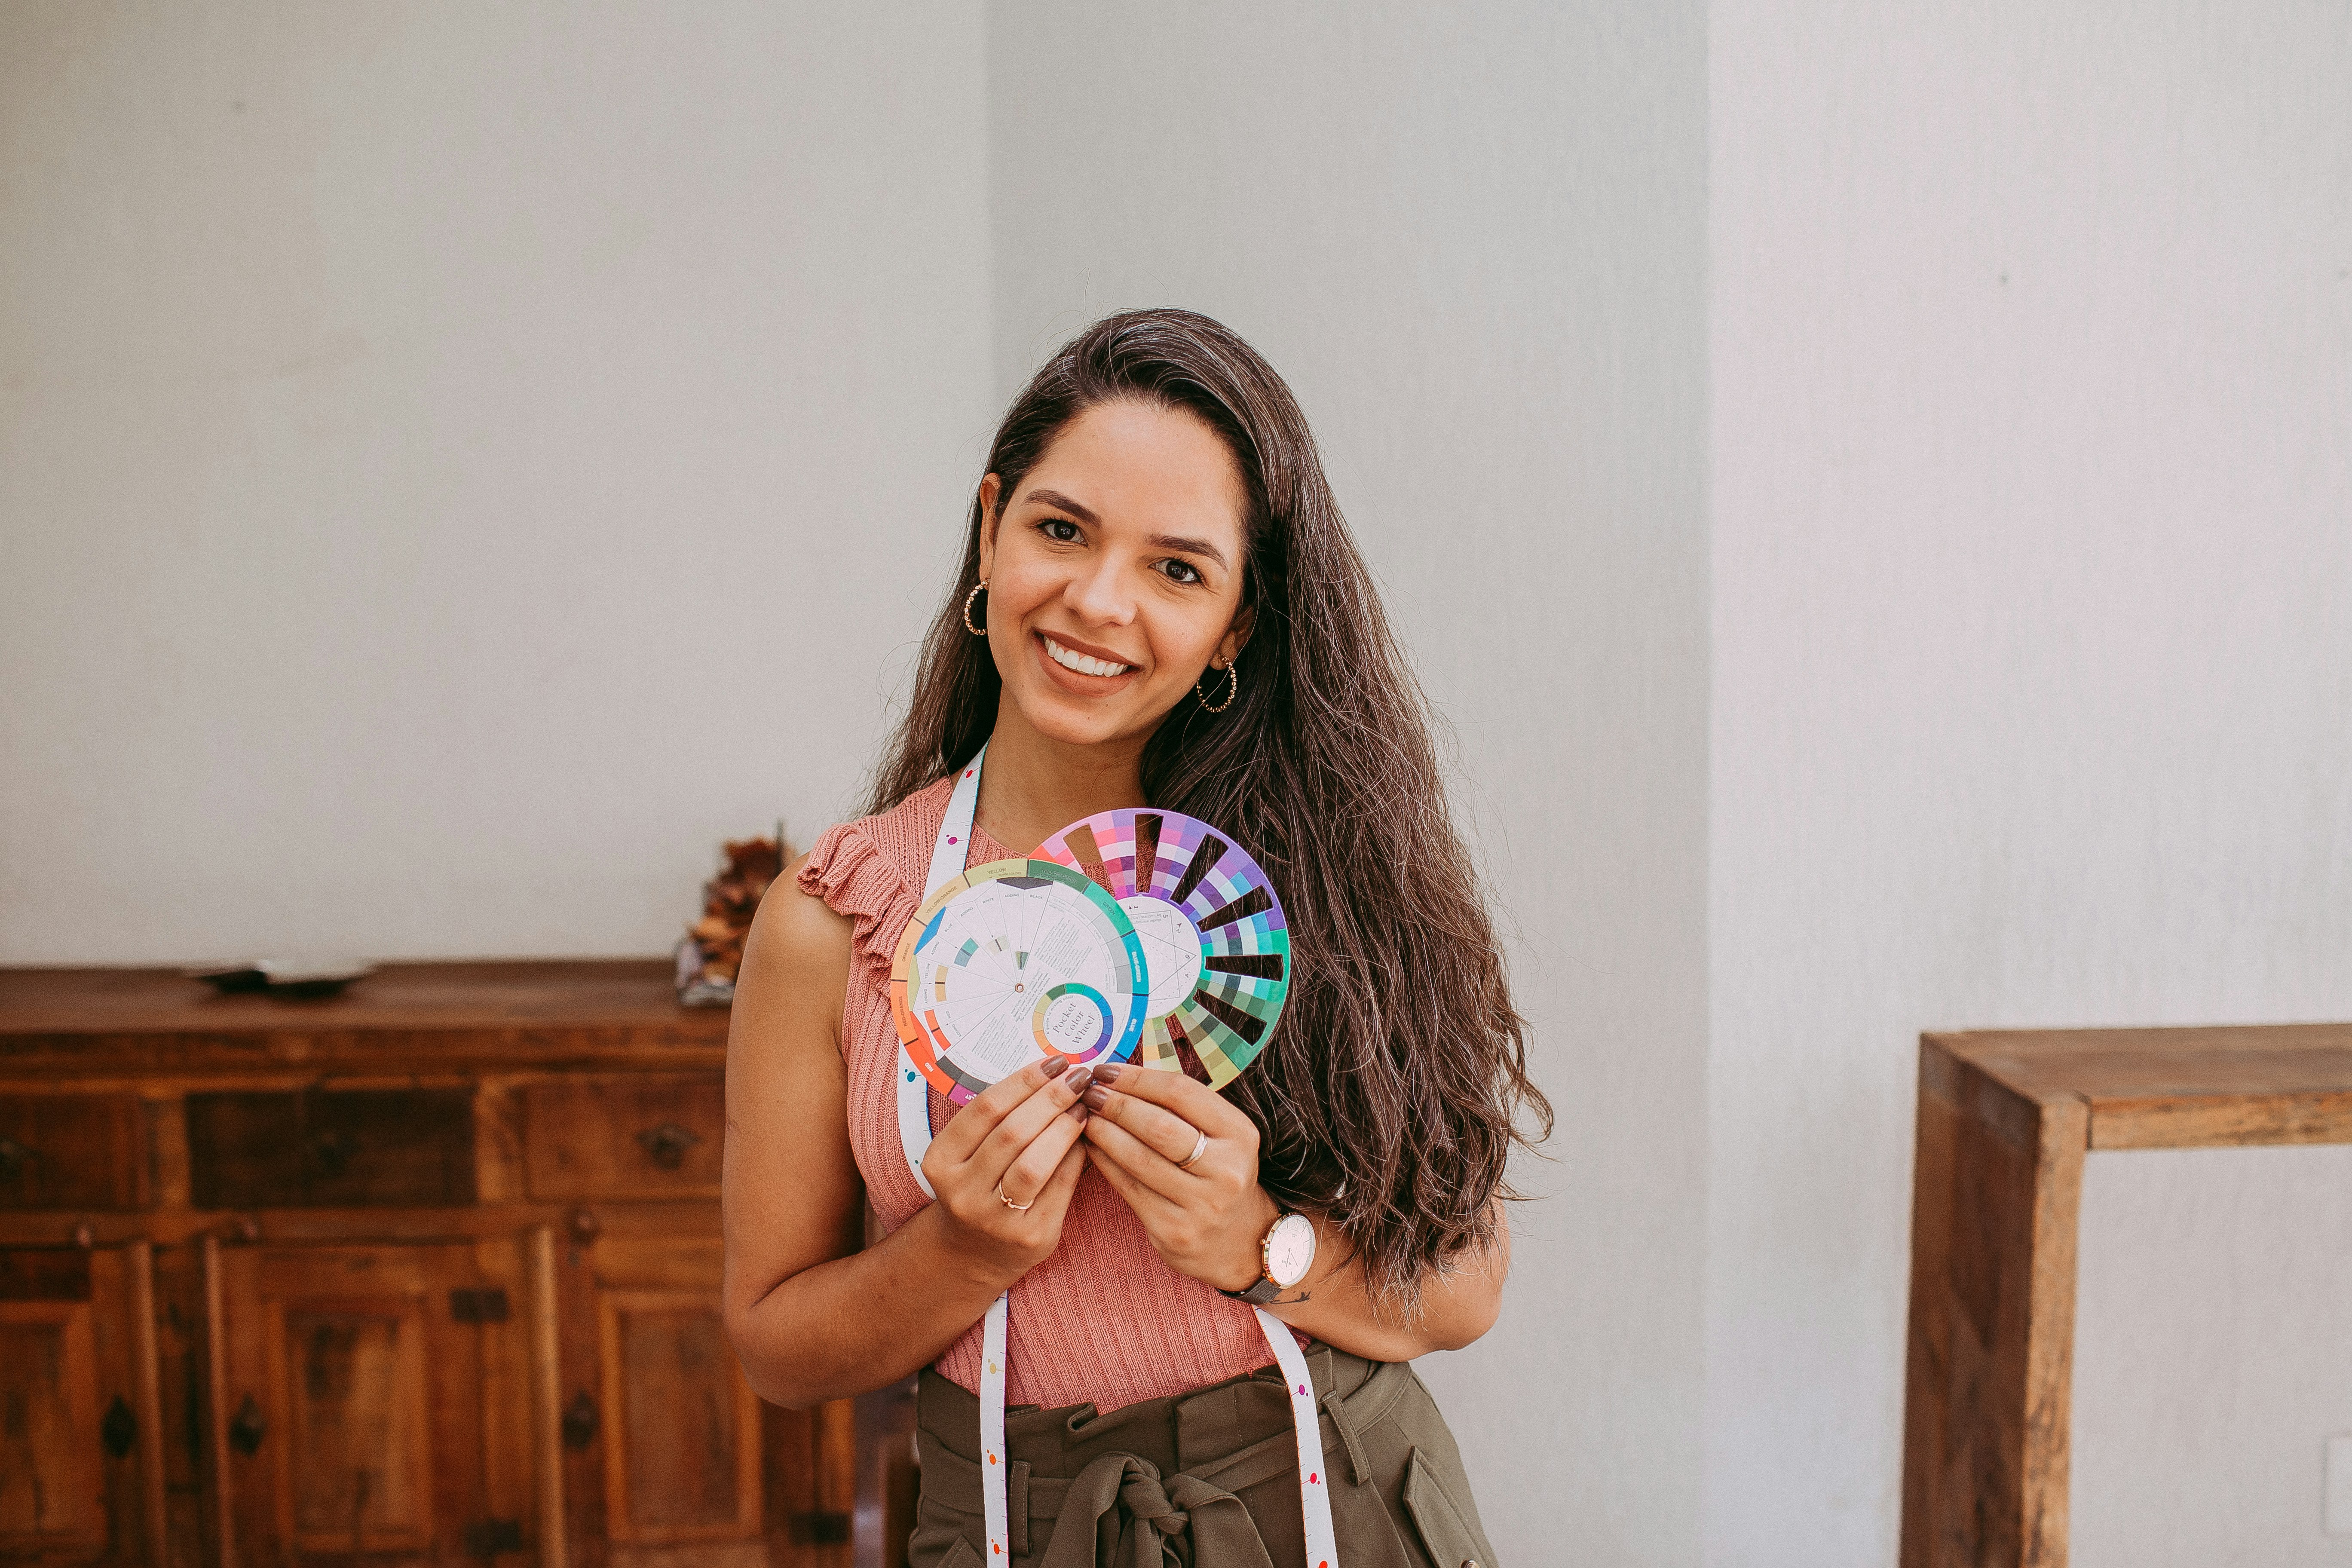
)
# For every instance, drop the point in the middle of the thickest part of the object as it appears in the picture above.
(411, 1147)
(614, 1138)
(72, 1152)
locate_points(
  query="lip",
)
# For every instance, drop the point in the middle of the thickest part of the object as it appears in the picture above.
(1070, 680)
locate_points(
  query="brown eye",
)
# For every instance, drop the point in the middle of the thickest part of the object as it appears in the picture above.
(1060, 530)
(1181, 572)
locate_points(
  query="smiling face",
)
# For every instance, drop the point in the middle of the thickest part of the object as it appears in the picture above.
(1114, 572)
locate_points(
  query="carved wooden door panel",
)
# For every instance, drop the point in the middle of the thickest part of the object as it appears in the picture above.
(671, 1460)
(80, 1428)
(677, 1427)
(371, 1404)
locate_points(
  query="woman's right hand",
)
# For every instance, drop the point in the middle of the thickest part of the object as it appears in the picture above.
(1022, 1137)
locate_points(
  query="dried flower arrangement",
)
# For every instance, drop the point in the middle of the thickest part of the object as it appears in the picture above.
(713, 949)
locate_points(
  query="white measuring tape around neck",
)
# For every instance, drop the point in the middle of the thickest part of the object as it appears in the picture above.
(949, 856)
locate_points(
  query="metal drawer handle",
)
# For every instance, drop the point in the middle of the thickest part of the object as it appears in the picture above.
(486, 1538)
(581, 1419)
(120, 1430)
(823, 1529)
(247, 1427)
(333, 1152)
(667, 1144)
(14, 1157)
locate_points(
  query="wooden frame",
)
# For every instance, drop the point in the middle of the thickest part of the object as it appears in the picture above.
(219, 1493)
(2004, 1122)
(546, 1308)
(147, 1397)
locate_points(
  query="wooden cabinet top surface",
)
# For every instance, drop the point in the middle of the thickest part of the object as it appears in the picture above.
(405, 1017)
(2279, 1083)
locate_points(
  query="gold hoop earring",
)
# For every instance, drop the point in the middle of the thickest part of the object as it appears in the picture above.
(977, 589)
(1233, 689)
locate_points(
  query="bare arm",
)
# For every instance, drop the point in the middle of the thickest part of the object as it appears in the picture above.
(812, 1315)
(1208, 1222)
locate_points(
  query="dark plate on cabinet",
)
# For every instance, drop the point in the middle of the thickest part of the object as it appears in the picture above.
(300, 978)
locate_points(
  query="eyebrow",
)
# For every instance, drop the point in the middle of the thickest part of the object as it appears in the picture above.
(1184, 546)
(1176, 541)
(1061, 502)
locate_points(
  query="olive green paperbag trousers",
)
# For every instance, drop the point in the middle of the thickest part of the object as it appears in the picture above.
(1205, 1479)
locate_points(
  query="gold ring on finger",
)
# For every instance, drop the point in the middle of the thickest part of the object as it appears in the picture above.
(1193, 1159)
(1008, 1203)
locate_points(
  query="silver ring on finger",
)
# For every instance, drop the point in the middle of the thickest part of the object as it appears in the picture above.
(1193, 1159)
(1008, 1203)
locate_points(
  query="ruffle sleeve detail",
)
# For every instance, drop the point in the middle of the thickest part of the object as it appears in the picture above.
(855, 877)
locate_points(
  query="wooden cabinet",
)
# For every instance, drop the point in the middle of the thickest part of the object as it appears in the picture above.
(426, 1274)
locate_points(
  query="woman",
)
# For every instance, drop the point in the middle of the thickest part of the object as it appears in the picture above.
(1158, 603)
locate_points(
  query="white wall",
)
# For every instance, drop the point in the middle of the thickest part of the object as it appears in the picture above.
(442, 451)
(1471, 237)
(457, 463)
(2031, 382)
(2213, 1354)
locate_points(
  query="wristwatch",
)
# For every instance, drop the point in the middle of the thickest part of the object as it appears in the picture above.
(1288, 1252)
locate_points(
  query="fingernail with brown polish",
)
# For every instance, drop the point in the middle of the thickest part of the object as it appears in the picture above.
(1076, 1083)
(1113, 1073)
(1054, 1069)
(1081, 1112)
(1097, 1096)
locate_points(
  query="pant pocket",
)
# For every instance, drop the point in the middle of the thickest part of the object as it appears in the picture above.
(942, 1537)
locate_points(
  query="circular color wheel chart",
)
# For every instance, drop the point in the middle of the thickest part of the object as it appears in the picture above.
(1214, 937)
(1012, 960)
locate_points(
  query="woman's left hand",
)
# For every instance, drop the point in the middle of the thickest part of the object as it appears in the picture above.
(1208, 1220)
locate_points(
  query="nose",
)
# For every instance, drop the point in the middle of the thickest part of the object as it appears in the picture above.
(1098, 594)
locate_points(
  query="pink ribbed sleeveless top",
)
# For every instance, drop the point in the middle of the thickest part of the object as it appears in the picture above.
(1103, 1319)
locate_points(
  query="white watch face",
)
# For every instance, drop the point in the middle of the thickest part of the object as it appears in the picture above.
(1290, 1249)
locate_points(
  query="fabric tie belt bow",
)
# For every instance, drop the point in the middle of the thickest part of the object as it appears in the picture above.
(1120, 1513)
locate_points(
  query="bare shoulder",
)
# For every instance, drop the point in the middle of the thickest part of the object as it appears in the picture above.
(796, 960)
(791, 922)
(789, 1191)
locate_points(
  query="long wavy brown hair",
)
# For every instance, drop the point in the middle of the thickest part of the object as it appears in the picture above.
(1392, 1091)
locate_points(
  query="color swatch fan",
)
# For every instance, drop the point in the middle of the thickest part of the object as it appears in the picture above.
(1011, 960)
(1212, 934)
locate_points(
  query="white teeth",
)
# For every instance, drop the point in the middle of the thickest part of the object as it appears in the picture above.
(1069, 658)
